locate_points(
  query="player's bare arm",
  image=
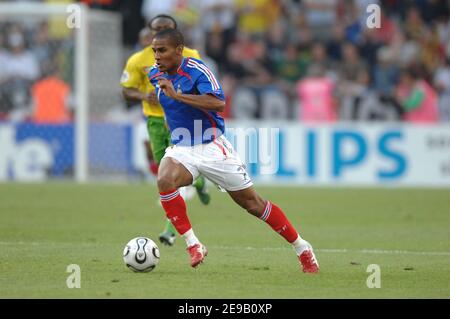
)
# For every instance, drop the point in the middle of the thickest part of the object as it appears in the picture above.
(132, 94)
(206, 101)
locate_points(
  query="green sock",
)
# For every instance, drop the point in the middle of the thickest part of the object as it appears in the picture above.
(200, 186)
(199, 183)
(170, 228)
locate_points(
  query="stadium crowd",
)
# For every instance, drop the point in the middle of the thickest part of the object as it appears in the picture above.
(307, 60)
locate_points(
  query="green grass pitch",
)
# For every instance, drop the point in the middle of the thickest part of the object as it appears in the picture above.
(46, 227)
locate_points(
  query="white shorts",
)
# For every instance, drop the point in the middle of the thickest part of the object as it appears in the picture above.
(217, 161)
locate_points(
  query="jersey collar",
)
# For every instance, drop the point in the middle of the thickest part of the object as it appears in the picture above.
(180, 70)
(183, 64)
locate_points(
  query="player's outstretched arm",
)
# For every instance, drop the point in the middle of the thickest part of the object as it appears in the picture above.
(132, 94)
(207, 102)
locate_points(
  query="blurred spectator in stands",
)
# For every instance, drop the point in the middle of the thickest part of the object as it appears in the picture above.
(4, 107)
(215, 47)
(336, 41)
(297, 35)
(435, 9)
(290, 11)
(265, 43)
(361, 103)
(431, 50)
(256, 17)
(358, 101)
(248, 60)
(132, 20)
(354, 28)
(57, 25)
(387, 29)
(20, 62)
(393, 8)
(234, 67)
(352, 64)
(405, 50)
(42, 47)
(20, 69)
(276, 40)
(258, 66)
(151, 8)
(3, 57)
(320, 16)
(290, 68)
(417, 97)
(443, 27)
(442, 84)
(414, 25)
(134, 13)
(386, 72)
(300, 34)
(351, 94)
(369, 49)
(51, 99)
(315, 93)
(319, 57)
(218, 21)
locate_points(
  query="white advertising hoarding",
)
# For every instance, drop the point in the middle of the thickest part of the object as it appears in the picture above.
(344, 154)
(286, 152)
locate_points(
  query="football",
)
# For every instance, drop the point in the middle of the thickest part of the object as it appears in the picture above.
(141, 254)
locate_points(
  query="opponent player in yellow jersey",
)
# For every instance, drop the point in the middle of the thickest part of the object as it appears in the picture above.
(135, 86)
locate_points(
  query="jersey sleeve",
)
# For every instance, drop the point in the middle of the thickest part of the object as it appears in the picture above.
(131, 76)
(208, 84)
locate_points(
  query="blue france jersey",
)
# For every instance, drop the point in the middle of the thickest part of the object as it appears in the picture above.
(189, 125)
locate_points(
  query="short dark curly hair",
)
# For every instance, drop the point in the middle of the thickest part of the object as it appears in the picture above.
(175, 36)
(162, 16)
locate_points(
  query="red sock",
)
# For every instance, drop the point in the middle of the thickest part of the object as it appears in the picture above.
(275, 217)
(154, 168)
(175, 208)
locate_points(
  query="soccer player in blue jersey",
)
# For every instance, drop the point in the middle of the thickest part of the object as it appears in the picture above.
(192, 97)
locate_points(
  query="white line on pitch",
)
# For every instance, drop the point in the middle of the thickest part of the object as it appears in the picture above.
(323, 250)
(361, 251)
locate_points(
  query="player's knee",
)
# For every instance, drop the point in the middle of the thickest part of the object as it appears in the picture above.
(165, 183)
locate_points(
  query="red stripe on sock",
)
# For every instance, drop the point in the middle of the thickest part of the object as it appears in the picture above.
(279, 223)
(176, 212)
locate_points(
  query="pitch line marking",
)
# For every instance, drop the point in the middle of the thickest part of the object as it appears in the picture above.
(322, 250)
(344, 250)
